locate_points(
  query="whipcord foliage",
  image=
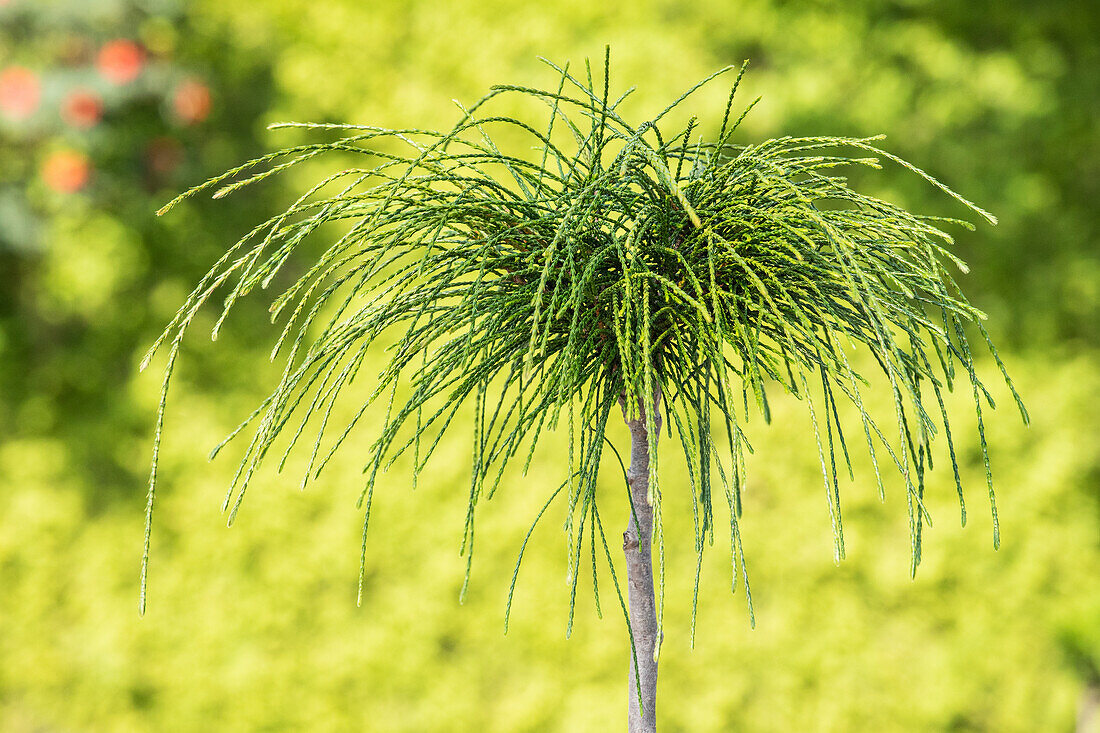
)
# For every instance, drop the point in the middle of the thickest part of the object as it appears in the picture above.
(617, 263)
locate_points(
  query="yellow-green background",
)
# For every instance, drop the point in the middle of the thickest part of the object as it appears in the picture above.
(255, 628)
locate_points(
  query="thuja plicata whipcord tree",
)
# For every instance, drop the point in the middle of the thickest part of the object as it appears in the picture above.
(674, 278)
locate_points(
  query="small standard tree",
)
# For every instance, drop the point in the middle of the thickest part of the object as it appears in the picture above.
(672, 278)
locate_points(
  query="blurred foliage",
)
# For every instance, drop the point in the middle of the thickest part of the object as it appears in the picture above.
(133, 100)
(256, 628)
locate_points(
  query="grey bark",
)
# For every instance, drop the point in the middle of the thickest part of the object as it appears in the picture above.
(637, 541)
(1088, 709)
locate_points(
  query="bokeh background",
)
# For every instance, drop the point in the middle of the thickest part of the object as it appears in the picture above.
(110, 107)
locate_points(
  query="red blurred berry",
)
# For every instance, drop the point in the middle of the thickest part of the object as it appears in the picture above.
(163, 155)
(19, 92)
(66, 171)
(81, 109)
(191, 101)
(120, 61)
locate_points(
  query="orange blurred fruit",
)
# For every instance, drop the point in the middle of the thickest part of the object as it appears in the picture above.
(81, 109)
(120, 61)
(66, 171)
(191, 101)
(19, 92)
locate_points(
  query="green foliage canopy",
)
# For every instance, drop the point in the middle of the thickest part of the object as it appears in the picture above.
(620, 264)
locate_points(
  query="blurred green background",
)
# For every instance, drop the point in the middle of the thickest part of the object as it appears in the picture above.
(110, 107)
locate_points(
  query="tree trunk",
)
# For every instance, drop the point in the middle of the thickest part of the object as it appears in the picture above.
(637, 540)
(1088, 709)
